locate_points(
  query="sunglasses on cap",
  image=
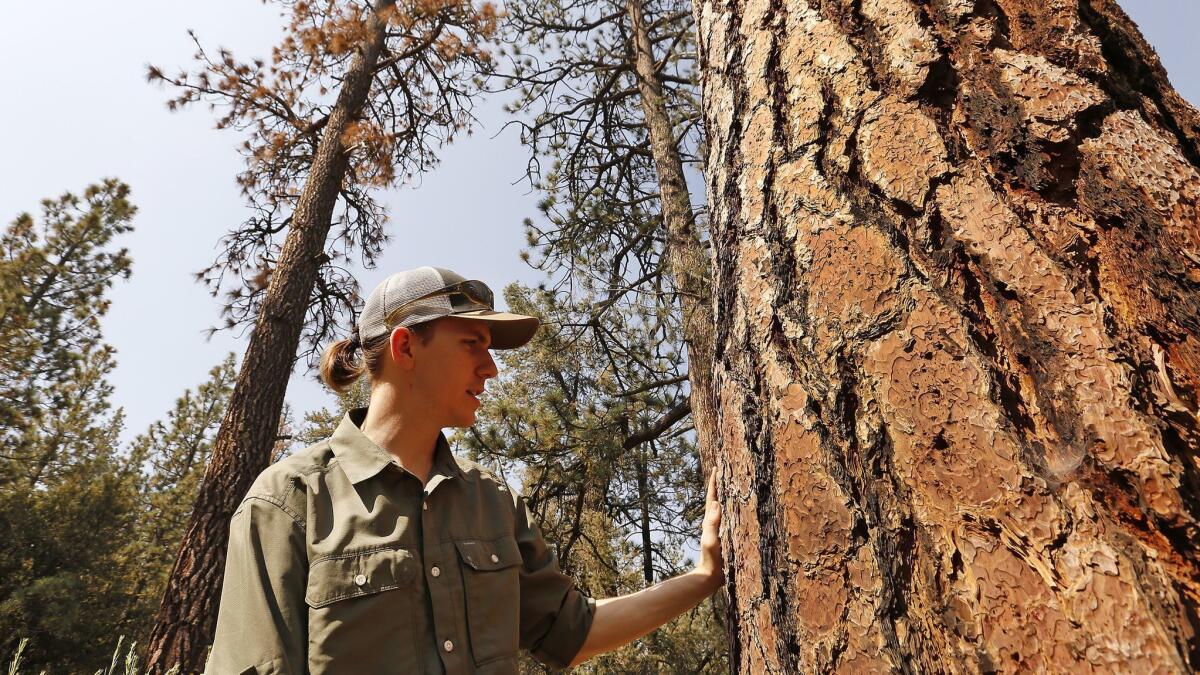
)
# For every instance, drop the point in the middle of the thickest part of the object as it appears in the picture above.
(464, 296)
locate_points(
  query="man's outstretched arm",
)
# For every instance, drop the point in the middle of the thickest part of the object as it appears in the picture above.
(619, 621)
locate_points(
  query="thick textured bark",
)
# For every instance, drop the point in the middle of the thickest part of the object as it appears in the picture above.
(957, 255)
(186, 619)
(687, 262)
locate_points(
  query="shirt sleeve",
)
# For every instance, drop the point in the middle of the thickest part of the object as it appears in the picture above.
(262, 623)
(555, 615)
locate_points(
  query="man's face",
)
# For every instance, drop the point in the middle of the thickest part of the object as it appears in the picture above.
(451, 369)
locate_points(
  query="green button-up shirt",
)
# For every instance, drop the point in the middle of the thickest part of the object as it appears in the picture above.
(341, 561)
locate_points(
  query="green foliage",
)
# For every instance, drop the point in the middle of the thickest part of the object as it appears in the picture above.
(54, 274)
(67, 499)
(92, 550)
(89, 531)
(62, 572)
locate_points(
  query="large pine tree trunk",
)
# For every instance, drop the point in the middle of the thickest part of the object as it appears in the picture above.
(187, 618)
(957, 360)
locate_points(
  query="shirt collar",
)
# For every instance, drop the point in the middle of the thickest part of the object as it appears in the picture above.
(361, 459)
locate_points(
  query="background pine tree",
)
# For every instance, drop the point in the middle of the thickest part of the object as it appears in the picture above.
(67, 498)
(54, 274)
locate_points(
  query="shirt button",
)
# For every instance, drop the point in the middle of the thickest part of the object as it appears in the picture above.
(448, 646)
(436, 571)
(360, 580)
(425, 506)
(495, 558)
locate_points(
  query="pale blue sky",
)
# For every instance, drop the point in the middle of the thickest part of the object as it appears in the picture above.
(78, 109)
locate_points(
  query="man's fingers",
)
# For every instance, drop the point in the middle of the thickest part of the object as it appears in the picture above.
(712, 508)
(714, 514)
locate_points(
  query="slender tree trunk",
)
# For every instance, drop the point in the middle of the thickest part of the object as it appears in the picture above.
(957, 358)
(687, 262)
(644, 504)
(243, 447)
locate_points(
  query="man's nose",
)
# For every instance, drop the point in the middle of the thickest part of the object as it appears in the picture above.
(489, 370)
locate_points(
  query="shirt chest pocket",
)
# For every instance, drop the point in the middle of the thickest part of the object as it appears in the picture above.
(349, 575)
(492, 581)
(361, 607)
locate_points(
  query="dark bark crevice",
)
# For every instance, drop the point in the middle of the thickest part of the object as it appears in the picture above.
(895, 550)
(723, 235)
(1190, 645)
(829, 102)
(1181, 439)
(939, 92)
(773, 565)
(1064, 158)
(865, 473)
(986, 339)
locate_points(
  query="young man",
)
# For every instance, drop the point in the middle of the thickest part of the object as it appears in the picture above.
(378, 551)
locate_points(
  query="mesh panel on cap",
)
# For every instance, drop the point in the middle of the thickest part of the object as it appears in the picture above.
(398, 289)
(421, 281)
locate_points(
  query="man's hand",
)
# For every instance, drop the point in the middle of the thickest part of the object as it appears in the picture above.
(712, 564)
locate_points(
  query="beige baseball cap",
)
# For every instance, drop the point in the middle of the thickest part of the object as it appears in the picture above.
(426, 293)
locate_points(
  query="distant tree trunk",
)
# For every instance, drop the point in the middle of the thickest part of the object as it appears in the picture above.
(957, 356)
(688, 264)
(186, 620)
(644, 506)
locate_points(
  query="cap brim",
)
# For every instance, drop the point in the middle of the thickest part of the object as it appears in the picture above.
(509, 331)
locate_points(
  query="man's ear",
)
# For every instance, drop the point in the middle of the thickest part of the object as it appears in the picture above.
(400, 347)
